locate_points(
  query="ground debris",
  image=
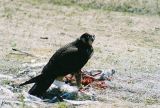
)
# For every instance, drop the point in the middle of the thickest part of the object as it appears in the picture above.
(60, 91)
(43, 37)
(23, 52)
(2, 76)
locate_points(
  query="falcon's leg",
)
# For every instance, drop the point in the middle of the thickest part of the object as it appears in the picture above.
(78, 77)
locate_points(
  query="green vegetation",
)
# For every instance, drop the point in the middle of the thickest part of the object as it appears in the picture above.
(63, 2)
(13, 44)
(62, 105)
(8, 12)
(5, 82)
(132, 6)
(22, 100)
(150, 101)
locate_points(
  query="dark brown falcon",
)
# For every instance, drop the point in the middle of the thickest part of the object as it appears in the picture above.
(67, 60)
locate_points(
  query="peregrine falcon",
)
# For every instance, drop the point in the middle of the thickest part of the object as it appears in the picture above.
(66, 60)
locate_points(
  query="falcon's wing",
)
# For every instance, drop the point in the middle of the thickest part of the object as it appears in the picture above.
(66, 57)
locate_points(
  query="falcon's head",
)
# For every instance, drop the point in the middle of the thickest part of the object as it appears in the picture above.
(87, 38)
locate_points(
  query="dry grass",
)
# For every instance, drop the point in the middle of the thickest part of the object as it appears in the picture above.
(132, 6)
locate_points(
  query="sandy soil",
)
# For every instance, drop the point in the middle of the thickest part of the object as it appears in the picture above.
(126, 42)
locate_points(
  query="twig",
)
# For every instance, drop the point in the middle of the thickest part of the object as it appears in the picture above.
(28, 54)
(43, 37)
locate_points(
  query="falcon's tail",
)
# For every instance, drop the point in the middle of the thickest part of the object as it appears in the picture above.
(39, 88)
(42, 83)
(33, 80)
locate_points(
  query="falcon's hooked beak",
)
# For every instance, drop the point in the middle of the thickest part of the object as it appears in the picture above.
(91, 39)
(87, 38)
